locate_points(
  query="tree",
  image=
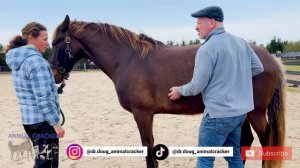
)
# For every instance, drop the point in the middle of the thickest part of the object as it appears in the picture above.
(170, 43)
(276, 45)
(292, 46)
(197, 41)
(183, 43)
(2, 56)
(47, 53)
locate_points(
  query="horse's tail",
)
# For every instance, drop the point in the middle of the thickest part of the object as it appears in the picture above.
(276, 119)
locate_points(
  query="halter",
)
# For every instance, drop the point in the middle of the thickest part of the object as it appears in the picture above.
(68, 50)
(62, 70)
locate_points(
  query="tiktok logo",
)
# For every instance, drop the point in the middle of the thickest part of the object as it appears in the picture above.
(160, 152)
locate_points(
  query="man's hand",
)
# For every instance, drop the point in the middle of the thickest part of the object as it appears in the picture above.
(59, 130)
(174, 94)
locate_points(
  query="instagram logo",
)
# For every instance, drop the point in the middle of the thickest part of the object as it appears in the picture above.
(74, 151)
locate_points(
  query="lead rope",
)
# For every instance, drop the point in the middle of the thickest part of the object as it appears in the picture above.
(60, 91)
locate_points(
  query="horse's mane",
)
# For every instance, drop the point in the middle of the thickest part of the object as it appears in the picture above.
(140, 42)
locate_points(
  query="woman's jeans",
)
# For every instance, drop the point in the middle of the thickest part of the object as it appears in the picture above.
(218, 132)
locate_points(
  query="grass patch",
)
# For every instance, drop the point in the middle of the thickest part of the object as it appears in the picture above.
(292, 67)
(292, 89)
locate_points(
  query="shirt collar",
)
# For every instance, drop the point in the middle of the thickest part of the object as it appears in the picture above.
(31, 47)
(216, 31)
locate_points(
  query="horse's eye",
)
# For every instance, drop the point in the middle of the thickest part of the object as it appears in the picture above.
(54, 43)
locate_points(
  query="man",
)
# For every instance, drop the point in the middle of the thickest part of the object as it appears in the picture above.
(224, 66)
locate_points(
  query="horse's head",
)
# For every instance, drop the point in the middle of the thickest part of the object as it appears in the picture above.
(10, 143)
(65, 52)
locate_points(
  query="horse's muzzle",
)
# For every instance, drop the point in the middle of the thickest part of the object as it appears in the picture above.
(57, 75)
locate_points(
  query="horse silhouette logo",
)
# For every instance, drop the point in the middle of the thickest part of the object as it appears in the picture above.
(14, 149)
(20, 149)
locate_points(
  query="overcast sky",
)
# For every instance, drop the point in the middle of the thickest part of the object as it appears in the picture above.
(164, 20)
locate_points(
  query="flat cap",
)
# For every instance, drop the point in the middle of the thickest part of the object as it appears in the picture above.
(212, 12)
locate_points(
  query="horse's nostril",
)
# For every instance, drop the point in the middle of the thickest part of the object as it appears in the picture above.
(62, 70)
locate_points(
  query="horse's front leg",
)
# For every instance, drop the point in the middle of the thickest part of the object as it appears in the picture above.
(144, 120)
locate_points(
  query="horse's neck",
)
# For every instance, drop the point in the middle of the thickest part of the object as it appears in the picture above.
(108, 55)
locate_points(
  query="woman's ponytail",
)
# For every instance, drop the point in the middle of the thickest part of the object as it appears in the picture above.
(16, 42)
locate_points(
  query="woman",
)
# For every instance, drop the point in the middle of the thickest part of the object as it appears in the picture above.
(36, 92)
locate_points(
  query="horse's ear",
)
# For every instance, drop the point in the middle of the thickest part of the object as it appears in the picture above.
(65, 24)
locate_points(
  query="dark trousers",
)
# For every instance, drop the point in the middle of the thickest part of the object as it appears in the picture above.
(45, 143)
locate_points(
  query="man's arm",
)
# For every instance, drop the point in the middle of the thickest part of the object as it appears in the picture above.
(201, 76)
(256, 65)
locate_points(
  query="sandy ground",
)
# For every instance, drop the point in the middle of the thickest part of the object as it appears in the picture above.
(95, 118)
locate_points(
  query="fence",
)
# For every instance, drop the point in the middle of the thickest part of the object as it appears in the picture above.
(291, 59)
(84, 66)
(4, 69)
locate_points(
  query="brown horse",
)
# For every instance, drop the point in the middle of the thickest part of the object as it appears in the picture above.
(143, 69)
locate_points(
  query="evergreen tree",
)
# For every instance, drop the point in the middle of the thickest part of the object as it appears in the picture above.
(47, 53)
(197, 41)
(2, 56)
(183, 43)
(276, 45)
(170, 43)
(1, 47)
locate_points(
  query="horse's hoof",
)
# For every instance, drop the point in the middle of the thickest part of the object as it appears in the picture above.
(156, 164)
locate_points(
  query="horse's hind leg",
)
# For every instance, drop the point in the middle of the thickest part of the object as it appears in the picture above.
(260, 125)
(144, 122)
(246, 136)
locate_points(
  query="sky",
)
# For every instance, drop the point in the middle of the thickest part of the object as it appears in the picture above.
(163, 20)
